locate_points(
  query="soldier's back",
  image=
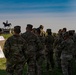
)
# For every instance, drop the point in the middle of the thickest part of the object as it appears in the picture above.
(15, 45)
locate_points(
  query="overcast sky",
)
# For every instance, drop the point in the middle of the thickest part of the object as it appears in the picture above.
(54, 14)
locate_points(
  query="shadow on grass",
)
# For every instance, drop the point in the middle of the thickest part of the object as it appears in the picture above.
(2, 72)
(54, 72)
(25, 70)
(74, 67)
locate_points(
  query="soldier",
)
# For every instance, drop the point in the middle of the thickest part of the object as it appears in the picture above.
(64, 30)
(14, 53)
(57, 49)
(74, 38)
(33, 45)
(67, 47)
(49, 40)
(34, 30)
(41, 27)
(40, 53)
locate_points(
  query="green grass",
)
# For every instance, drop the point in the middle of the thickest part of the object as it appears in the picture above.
(2, 63)
(54, 72)
(6, 35)
(2, 66)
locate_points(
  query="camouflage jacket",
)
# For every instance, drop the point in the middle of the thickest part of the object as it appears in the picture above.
(42, 51)
(14, 48)
(67, 47)
(34, 44)
(49, 40)
(57, 42)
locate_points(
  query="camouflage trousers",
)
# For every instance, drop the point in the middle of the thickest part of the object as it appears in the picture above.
(49, 61)
(57, 55)
(31, 66)
(14, 69)
(39, 67)
(66, 66)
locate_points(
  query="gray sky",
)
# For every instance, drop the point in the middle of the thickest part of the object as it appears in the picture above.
(54, 14)
(53, 20)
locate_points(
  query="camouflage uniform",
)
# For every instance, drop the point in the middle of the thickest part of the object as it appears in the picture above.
(33, 45)
(74, 38)
(40, 56)
(49, 40)
(67, 47)
(14, 52)
(57, 50)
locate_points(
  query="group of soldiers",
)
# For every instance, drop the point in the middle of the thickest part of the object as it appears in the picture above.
(34, 47)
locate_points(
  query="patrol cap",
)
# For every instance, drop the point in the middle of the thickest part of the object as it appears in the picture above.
(48, 30)
(71, 32)
(30, 25)
(17, 29)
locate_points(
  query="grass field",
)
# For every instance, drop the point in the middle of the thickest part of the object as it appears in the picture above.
(3, 67)
(6, 35)
(54, 72)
